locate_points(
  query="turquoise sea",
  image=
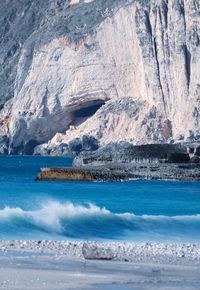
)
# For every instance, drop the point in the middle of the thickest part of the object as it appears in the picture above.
(167, 211)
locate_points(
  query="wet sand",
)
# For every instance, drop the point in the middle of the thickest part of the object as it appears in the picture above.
(61, 265)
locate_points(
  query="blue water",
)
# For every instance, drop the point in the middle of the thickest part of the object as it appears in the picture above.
(135, 210)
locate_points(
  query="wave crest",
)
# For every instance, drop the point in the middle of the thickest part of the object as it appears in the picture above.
(91, 221)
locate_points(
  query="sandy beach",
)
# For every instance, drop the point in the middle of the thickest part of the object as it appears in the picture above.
(118, 265)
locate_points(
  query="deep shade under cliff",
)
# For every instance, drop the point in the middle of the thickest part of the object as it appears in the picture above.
(135, 210)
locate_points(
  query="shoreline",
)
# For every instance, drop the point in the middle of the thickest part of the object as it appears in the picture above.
(60, 265)
(140, 252)
(125, 161)
(121, 172)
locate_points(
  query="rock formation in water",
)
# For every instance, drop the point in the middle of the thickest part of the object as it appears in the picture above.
(111, 70)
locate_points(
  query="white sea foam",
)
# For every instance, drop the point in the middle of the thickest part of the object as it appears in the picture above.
(50, 214)
(57, 217)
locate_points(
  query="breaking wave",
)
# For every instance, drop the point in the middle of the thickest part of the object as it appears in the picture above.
(67, 220)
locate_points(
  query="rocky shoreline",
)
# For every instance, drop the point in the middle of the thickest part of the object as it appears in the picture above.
(124, 161)
(123, 172)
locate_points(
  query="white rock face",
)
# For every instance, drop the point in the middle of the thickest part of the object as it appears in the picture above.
(116, 121)
(128, 71)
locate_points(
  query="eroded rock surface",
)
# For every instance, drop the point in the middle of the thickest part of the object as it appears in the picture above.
(126, 153)
(113, 70)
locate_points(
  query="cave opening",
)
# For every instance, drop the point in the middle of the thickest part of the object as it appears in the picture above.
(85, 111)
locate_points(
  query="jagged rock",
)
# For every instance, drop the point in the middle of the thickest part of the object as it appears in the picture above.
(42, 150)
(45, 150)
(75, 146)
(115, 70)
(4, 143)
(125, 152)
(117, 171)
(117, 120)
(86, 143)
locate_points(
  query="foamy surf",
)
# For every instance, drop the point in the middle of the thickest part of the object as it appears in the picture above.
(89, 221)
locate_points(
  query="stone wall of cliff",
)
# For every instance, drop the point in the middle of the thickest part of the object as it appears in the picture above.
(115, 70)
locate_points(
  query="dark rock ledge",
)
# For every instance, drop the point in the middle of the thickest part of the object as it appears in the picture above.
(123, 161)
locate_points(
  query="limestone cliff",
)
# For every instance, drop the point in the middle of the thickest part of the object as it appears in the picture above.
(115, 70)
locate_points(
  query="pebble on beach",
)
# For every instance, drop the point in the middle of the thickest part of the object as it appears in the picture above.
(161, 253)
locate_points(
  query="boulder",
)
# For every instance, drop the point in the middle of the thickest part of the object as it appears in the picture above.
(94, 252)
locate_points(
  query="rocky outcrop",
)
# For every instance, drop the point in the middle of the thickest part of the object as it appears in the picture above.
(122, 172)
(124, 161)
(124, 152)
(112, 70)
(74, 147)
